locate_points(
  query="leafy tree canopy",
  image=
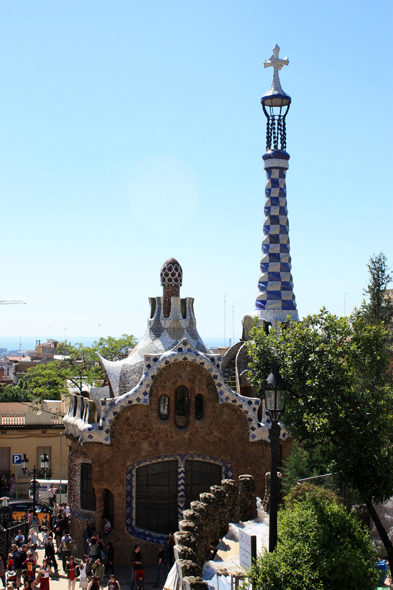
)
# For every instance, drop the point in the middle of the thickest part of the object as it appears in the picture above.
(320, 547)
(114, 349)
(378, 307)
(15, 393)
(340, 398)
(340, 394)
(79, 367)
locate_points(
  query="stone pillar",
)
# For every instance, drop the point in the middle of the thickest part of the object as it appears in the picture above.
(232, 492)
(247, 497)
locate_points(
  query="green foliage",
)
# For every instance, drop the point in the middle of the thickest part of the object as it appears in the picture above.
(80, 367)
(303, 463)
(306, 490)
(340, 395)
(320, 548)
(44, 381)
(114, 349)
(378, 307)
(15, 393)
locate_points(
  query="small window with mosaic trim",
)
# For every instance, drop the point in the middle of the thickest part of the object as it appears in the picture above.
(87, 493)
(164, 407)
(199, 403)
(182, 406)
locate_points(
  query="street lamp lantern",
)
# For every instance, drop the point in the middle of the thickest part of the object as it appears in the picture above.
(275, 390)
(44, 462)
(5, 502)
(25, 463)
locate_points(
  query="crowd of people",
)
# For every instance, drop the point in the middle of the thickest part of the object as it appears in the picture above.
(52, 535)
(22, 569)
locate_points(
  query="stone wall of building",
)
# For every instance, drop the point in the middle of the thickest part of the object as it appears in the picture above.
(138, 434)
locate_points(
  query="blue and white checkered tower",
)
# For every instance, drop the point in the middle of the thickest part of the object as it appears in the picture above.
(275, 300)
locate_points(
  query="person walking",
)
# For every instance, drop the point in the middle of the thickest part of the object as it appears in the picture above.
(110, 559)
(35, 523)
(12, 486)
(170, 543)
(86, 536)
(98, 569)
(55, 514)
(44, 575)
(29, 565)
(160, 562)
(50, 554)
(136, 561)
(19, 558)
(95, 584)
(65, 549)
(71, 573)
(94, 549)
(83, 570)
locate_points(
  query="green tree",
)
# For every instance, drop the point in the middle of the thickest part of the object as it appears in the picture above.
(45, 381)
(79, 367)
(114, 349)
(379, 306)
(320, 547)
(303, 463)
(340, 398)
(15, 393)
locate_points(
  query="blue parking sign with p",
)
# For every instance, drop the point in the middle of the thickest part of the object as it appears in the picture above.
(16, 459)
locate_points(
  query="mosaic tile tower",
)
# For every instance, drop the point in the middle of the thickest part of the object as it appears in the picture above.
(275, 300)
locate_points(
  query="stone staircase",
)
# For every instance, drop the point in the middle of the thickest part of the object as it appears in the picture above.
(230, 374)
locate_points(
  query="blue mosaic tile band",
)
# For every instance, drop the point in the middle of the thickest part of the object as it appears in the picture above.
(276, 299)
(227, 473)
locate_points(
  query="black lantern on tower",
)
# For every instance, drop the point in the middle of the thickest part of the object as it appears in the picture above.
(275, 105)
(275, 390)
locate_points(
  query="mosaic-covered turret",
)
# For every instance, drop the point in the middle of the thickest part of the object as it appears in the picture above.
(275, 300)
(171, 320)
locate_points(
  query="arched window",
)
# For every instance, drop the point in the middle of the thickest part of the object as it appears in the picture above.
(164, 407)
(87, 492)
(182, 406)
(199, 406)
(157, 497)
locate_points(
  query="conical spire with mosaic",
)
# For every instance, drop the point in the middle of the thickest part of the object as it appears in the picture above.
(275, 300)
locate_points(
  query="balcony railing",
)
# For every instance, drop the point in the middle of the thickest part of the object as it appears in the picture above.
(16, 420)
(13, 420)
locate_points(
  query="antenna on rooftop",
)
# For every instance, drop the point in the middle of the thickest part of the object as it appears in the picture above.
(225, 321)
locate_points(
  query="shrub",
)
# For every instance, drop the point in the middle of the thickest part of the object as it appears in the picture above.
(320, 547)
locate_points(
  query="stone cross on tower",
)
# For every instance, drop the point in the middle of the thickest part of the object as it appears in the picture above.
(277, 63)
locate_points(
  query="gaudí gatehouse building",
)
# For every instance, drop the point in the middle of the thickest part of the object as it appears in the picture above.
(176, 418)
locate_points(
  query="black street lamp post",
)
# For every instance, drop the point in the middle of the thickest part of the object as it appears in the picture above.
(275, 389)
(36, 472)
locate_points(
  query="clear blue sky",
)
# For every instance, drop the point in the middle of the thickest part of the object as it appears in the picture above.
(132, 131)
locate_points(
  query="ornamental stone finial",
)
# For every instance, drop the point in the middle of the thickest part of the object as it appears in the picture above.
(171, 280)
(277, 63)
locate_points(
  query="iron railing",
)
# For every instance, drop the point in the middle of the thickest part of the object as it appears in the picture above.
(8, 533)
